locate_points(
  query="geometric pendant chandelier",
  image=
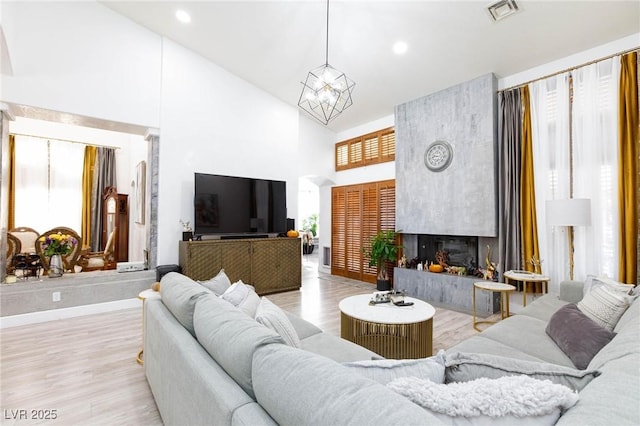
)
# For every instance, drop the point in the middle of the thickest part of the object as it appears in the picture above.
(326, 92)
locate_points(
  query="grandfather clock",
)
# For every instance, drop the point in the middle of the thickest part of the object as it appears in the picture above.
(115, 215)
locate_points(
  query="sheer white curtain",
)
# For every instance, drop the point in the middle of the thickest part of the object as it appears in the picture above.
(48, 183)
(595, 166)
(550, 133)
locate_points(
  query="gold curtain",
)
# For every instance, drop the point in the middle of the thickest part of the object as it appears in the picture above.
(528, 218)
(11, 220)
(628, 174)
(90, 154)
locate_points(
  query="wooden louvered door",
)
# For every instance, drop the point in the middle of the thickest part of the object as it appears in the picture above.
(338, 232)
(370, 216)
(358, 213)
(353, 240)
(387, 214)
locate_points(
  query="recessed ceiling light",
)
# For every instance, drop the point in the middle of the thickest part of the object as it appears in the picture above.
(503, 8)
(400, 47)
(183, 16)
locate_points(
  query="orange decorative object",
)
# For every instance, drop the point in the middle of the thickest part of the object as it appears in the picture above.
(293, 233)
(434, 267)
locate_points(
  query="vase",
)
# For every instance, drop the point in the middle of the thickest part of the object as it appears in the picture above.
(55, 266)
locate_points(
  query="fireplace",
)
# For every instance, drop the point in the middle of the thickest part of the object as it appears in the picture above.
(462, 250)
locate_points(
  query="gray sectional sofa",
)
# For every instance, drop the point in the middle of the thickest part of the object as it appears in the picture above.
(207, 362)
(611, 398)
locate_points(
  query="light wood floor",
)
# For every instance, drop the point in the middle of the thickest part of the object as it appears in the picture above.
(84, 368)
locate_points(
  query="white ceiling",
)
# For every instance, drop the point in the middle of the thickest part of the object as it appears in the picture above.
(273, 44)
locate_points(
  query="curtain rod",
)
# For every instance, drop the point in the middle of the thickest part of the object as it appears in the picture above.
(595, 61)
(64, 140)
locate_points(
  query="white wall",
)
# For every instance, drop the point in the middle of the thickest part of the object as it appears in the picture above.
(576, 60)
(81, 58)
(317, 144)
(316, 149)
(214, 122)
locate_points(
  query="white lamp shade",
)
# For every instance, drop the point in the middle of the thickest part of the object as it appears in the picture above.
(569, 212)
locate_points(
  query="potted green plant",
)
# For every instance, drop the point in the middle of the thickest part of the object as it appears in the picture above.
(310, 224)
(383, 249)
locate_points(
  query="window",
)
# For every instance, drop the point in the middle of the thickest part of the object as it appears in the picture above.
(373, 148)
(575, 139)
(48, 183)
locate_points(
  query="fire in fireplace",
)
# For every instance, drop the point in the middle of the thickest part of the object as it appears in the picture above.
(462, 250)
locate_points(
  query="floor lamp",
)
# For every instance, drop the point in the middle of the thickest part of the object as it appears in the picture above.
(569, 212)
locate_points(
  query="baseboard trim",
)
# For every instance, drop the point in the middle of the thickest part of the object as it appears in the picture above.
(62, 313)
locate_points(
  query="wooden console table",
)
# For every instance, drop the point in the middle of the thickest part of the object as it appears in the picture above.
(270, 265)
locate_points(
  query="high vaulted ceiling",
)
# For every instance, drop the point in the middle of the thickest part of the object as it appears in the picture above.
(273, 44)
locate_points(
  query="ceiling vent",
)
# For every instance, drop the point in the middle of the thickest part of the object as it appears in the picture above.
(502, 9)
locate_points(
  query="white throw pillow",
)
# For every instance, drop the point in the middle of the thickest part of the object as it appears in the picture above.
(507, 400)
(270, 315)
(604, 306)
(243, 297)
(218, 284)
(592, 282)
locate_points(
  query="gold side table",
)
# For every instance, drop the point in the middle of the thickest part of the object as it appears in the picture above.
(503, 289)
(527, 278)
(145, 295)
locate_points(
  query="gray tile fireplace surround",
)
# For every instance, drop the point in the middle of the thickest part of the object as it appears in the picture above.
(446, 291)
(85, 288)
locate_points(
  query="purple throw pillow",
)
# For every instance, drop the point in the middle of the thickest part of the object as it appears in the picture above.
(577, 335)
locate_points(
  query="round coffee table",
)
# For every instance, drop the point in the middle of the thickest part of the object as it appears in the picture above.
(396, 332)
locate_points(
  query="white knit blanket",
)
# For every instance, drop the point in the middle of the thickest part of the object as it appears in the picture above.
(519, 396)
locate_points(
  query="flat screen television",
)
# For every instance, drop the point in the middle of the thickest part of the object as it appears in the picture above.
(239, 205)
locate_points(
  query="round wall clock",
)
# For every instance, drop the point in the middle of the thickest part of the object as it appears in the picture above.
(438, 156)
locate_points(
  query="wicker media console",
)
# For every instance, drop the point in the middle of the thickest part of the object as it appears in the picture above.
(271, 265)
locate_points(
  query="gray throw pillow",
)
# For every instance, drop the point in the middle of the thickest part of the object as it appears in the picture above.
(387, 370)
(577, 335)
(179, 294)
(242, 297)
(270, 315)
(218, 284)
(464, 367)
